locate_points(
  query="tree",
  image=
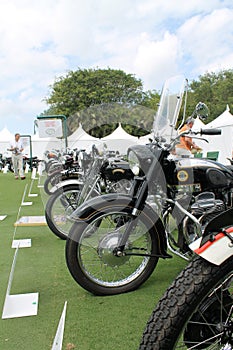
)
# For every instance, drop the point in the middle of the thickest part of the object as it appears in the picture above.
(84, 88)
(214, 89)
(98, 98)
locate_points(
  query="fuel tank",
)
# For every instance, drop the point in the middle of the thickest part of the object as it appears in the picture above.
(204, 174)
(115, 170)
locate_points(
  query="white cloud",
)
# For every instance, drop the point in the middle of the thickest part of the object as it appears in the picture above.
(157, 60)
(206, 41)
(41, 40)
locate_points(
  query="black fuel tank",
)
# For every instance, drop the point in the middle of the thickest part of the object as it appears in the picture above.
(202, 172)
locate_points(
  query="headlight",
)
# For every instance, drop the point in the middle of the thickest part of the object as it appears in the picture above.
(134, 163)
(140, 159)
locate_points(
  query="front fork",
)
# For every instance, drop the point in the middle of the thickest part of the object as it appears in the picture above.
(139, 192)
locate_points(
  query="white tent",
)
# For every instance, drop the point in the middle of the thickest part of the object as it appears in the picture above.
(80, 139)
(119, 140)
(143, 140)
(5, 137)
(41, 145)
(222, 143)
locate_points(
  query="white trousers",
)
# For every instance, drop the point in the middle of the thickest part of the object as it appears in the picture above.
(17, 160)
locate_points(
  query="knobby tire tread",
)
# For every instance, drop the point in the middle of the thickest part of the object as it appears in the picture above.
(179, 302)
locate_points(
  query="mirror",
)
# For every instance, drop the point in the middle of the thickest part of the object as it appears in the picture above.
(202, 111)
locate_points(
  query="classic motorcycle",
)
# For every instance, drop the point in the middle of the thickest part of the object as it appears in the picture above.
(196, 311)
(117, 240)
(105, 176)
(68, 167)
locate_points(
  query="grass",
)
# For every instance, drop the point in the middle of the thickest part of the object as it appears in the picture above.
(95, 323)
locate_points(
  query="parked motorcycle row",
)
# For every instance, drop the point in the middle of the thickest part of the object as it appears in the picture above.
(119, 217)
(77, 178)
(7, 165)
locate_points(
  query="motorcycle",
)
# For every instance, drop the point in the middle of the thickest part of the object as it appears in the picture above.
(6, 161)
(105, 176)
(68, 167)
(116, 240)
(196, 311)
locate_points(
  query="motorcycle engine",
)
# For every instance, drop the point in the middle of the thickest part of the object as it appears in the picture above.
(205, 208)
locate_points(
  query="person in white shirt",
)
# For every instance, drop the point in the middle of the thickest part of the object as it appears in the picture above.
(16, 147)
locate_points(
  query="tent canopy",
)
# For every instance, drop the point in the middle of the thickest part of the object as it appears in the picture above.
(80, 139)
(119, 140)
(6, 135)
(222, 143)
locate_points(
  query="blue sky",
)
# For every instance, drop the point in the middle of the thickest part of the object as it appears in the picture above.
(152, 39)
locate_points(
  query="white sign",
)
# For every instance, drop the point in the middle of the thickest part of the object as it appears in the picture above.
(50, 128)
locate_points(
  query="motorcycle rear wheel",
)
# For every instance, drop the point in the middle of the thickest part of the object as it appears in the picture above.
(196, 310)
(90, 250)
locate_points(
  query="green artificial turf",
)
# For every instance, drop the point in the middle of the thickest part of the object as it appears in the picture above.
(95, 323)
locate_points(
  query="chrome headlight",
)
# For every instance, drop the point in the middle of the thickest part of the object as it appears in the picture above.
(134, 163)
(140, 158)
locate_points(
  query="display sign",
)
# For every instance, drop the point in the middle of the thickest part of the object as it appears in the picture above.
(50, 128)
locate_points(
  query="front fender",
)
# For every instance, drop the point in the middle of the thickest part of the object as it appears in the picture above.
(65, 183)
(95, 207)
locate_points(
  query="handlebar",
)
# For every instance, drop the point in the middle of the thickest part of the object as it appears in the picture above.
(210, 132)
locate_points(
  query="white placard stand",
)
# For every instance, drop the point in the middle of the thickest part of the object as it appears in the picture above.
(5, 169)
(19, 305)
(27, 168)
(57, 343)
(30, 190)
(34, 174)
(24, 194)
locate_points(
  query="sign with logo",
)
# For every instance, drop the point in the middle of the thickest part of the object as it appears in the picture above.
(50, 128)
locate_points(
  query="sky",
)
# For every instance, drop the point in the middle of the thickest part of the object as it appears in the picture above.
(151, 39)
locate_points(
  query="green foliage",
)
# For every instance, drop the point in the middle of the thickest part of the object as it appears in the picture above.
(101, 120)
(214, 89)
(100, 99)
(84, 88)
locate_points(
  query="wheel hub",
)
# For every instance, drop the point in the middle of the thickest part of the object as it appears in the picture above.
(106, 250)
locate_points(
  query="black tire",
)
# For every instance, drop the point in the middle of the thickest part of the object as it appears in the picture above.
(89, 249)
(51, 164)
(193, 310)
(52, 181)
(59, 207)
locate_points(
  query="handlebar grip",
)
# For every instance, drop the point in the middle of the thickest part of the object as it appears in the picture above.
(211, 131)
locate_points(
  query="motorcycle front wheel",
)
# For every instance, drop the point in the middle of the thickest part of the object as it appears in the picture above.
(90, 250)
(60, 205)
(51, 181)
(195, 311)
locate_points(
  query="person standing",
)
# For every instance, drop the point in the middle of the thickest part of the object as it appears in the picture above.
(16, 147)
